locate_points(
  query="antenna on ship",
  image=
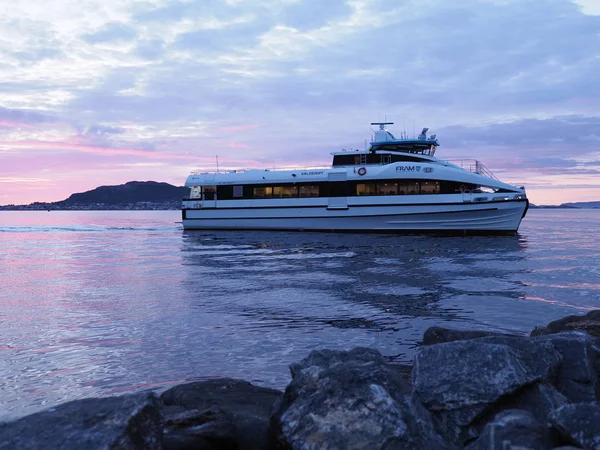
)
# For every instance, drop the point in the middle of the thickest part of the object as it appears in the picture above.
(217, 157)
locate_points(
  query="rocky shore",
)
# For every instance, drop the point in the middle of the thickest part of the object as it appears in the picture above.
(466, 389)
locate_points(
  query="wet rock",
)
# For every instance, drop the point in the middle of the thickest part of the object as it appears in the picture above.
(437, 335)
(405, 370)
(578, 424)
(588, 323)
(350, 400)
(219, 414)
(198, 430)
(127, 422)
(513, 429)
(576, 378)
(477, 372)
(538, 400)
(462, 380)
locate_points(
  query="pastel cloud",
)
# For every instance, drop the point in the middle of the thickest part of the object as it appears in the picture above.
(123, 86)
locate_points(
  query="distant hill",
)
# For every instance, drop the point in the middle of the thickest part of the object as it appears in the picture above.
(582, 205)
(128, 193)
(144, 195)
(573, 205)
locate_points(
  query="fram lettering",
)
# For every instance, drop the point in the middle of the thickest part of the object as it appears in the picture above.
(311, 173)
(408, 168)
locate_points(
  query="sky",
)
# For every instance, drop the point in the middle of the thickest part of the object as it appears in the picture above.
(101, 92)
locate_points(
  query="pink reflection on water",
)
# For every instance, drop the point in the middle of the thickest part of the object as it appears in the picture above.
(558, 303)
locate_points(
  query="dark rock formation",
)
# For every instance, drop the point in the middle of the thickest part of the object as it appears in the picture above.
(577, 378)
(460, 381)
(589, 323)
(217, 414)
(438, 335)
(578, 424)
(350, 400)
(513, 428)
(127, 422)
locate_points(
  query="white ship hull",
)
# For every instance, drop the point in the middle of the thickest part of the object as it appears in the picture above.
(491, 217)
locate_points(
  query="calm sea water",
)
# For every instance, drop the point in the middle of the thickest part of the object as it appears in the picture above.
(101, 303)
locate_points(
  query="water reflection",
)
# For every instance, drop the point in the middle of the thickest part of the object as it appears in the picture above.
(370, 283)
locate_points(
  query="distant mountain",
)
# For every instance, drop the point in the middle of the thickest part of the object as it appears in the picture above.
(131, 195)
(573, 205)
(582, 205)
(131, 192)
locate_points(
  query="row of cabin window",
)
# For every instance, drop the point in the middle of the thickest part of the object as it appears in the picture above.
(336, 189)
(372, 158)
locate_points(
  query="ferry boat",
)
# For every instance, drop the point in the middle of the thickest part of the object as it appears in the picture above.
(396, 185)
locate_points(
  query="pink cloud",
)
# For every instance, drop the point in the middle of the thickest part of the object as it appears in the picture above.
(76, 143)
(235, 144)
(13, 124)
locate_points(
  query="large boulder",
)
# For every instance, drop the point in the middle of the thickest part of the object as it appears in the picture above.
(478, 372)
(350, 400)
(588, 323)
(513, 428)
(126, 423)
(438, 335)
(462, 382)
(578, 424)
(576, 378)
(217, 414)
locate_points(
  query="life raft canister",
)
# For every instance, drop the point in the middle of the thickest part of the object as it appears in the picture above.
(362, 171)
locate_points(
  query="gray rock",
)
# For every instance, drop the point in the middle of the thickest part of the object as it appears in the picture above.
(538, 399)
(465, 383)
(478, 372)
(198, 430)
(512, 428)
(576, 378)
(221, 413)
(126, 422)
(588, 323)
(437, 335)
(578, 424)
(350, 400)
(405, 370)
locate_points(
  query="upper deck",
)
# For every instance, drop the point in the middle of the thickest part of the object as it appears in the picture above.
(385, 148)
(384, 140)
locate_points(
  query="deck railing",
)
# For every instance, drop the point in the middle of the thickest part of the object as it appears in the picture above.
(473, 165)
(269, 169)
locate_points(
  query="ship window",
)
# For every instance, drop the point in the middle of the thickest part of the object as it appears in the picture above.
(430, 187)
(238, 191)
(285, 191)
(387, 188)
(366, 189)
(210, 192)
(196, 192)
(408, 188)
(309, 191)
(263, 192)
